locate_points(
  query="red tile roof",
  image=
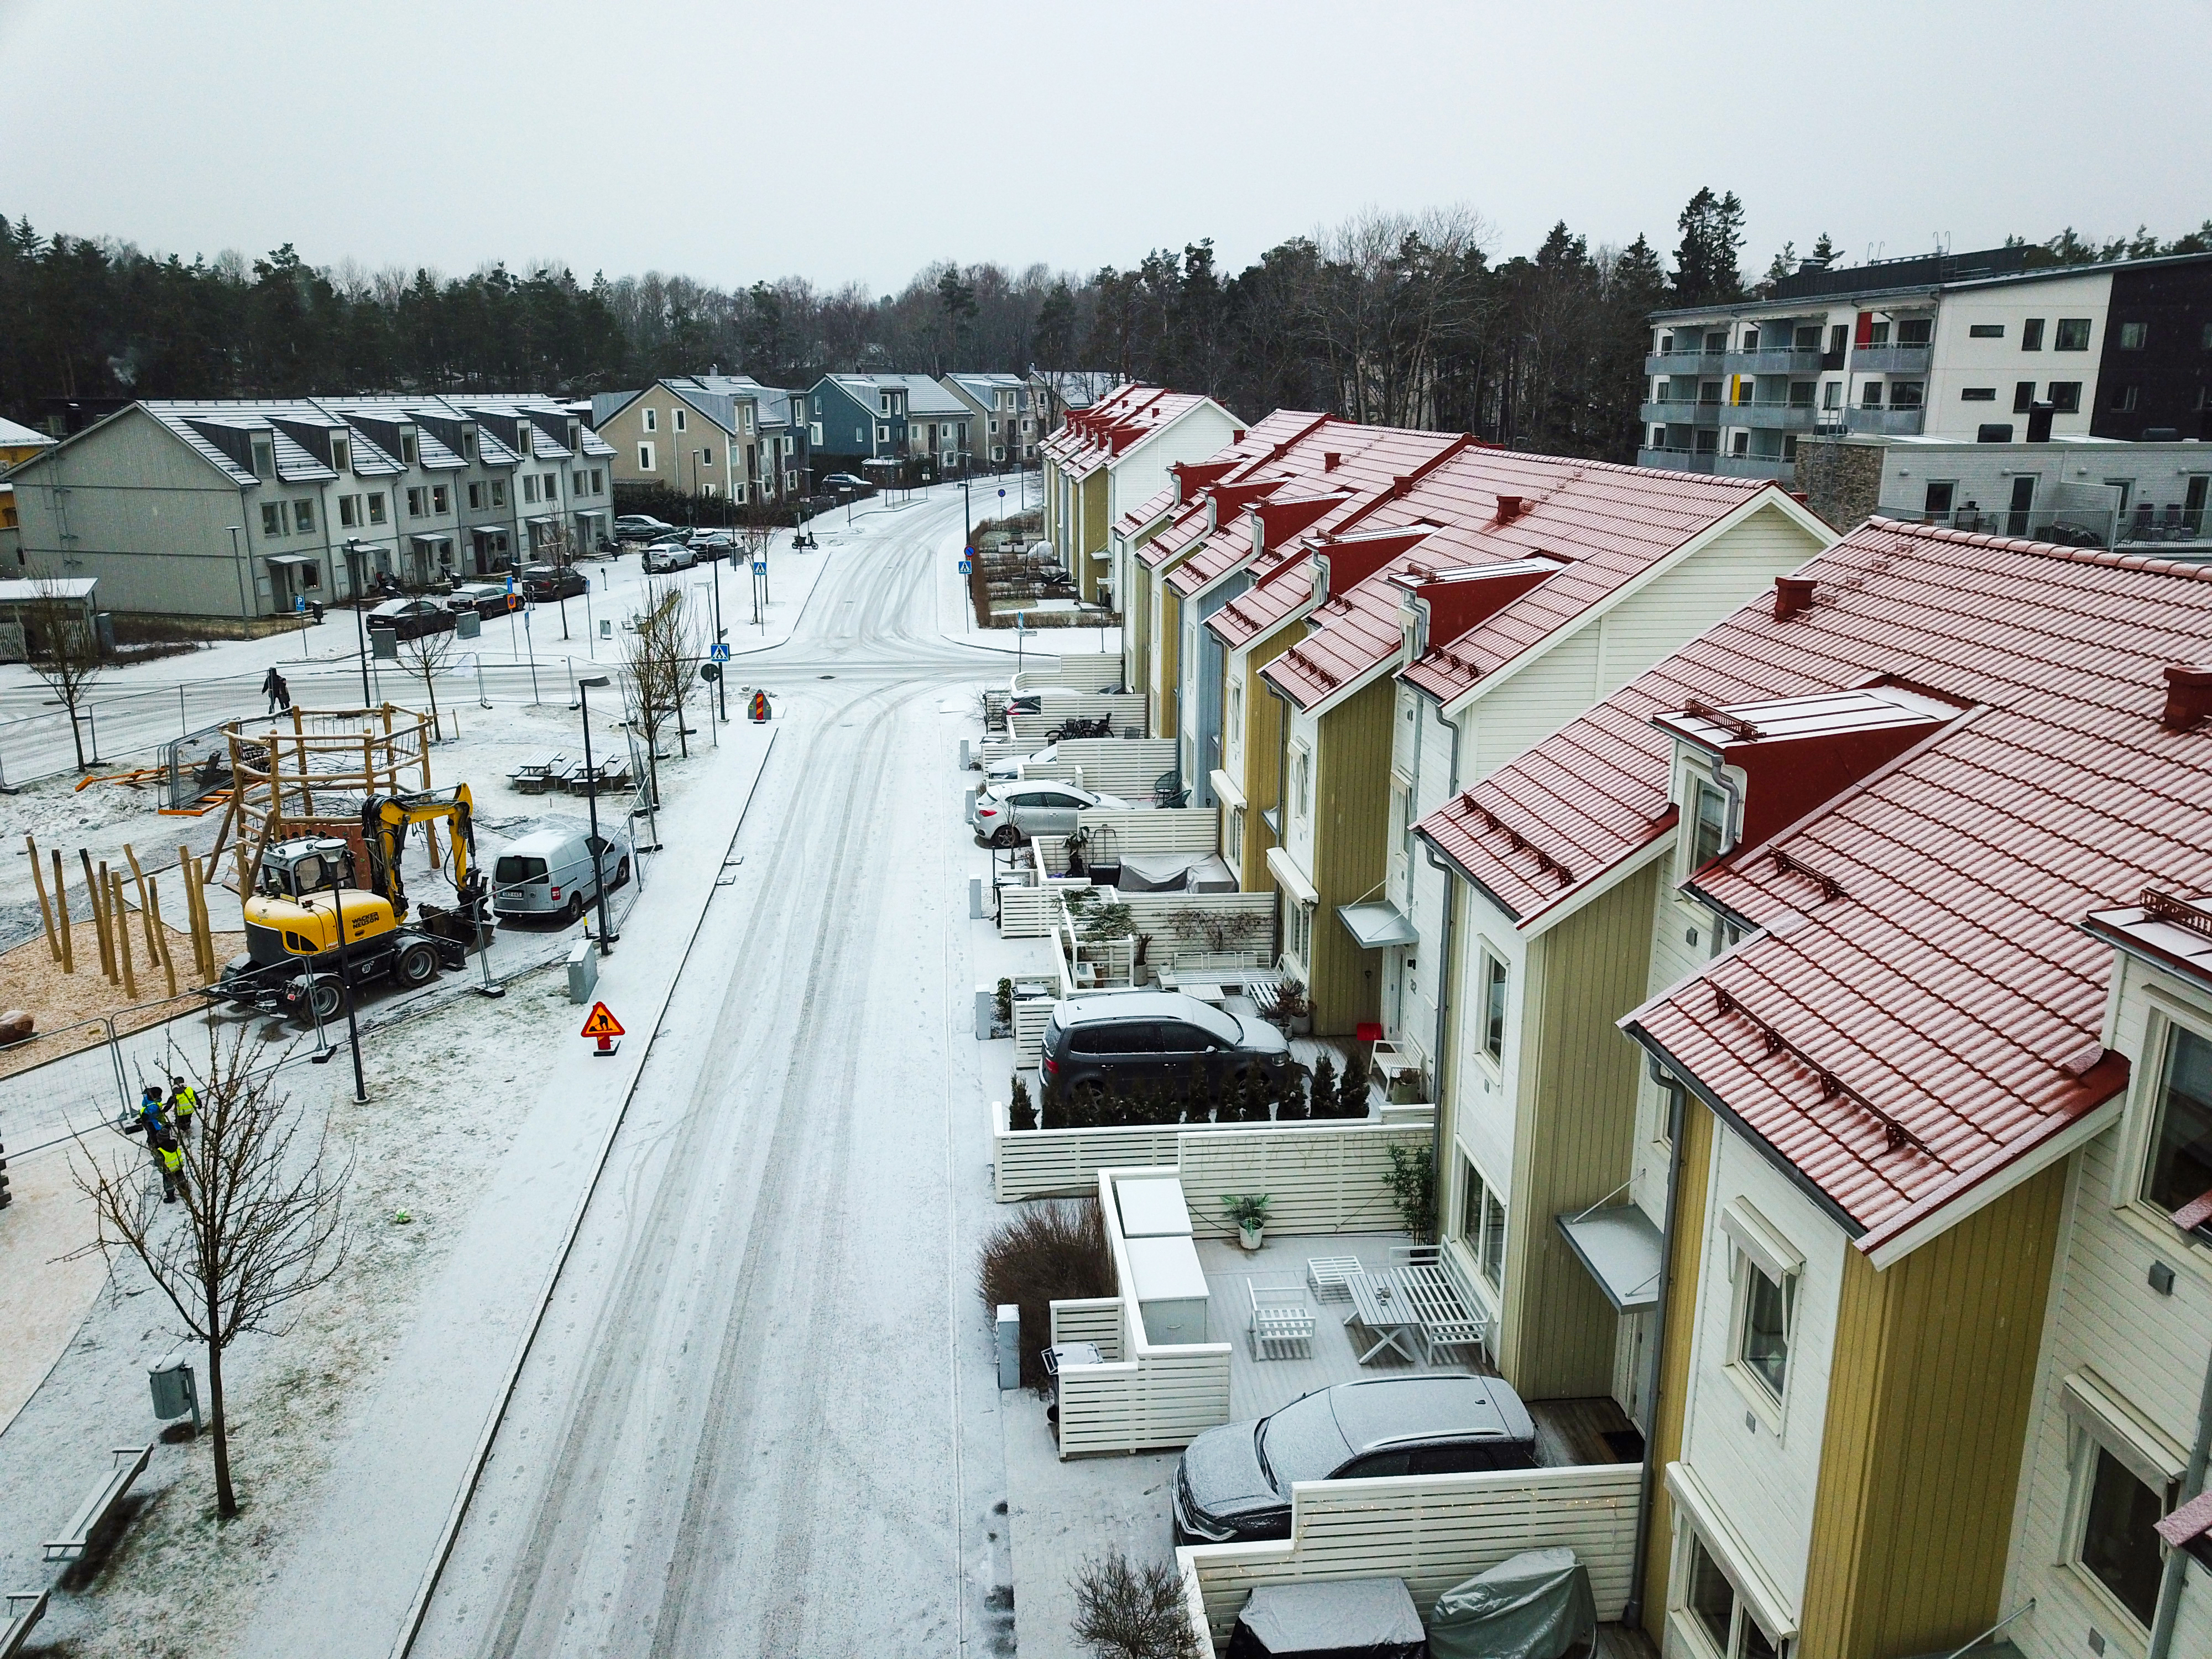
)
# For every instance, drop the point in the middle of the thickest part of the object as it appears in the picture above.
(1145, 511)
(1252, 455)
(1610, 523)
(1091, 437)
(1923, 1009)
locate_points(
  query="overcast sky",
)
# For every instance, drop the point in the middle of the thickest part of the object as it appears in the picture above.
(858, 141)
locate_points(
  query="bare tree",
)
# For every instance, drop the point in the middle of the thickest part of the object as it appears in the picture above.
(1123, 1611)
(426, 657)
(62, 646)
(261, 1223)
(658, 660)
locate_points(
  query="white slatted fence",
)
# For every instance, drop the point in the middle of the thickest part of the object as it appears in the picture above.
(1168, 830)
(1086, 670)
(1294, 1164)
(1108, 766)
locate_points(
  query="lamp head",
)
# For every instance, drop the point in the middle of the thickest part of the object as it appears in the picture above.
(596, 681)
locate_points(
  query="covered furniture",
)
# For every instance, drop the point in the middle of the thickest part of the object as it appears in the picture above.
(1535, 1605)
(1335, 1618)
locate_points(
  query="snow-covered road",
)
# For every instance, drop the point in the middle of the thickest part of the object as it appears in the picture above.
(760, 1415)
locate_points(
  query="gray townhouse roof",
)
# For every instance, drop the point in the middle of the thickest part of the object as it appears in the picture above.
(1078, 388)
(16, 435)
(924, 397)
(605, 405)
(222, 432)
(984, 387)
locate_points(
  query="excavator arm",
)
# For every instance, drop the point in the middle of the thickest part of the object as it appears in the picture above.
(385, 820)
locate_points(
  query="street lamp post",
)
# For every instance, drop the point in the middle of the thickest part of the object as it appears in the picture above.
(237, 568)
(345, 985)
(356, 561)
(584, 687)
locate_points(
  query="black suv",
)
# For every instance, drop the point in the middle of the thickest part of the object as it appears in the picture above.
(1235, 1481)
(1139, 1037)
(545, 581)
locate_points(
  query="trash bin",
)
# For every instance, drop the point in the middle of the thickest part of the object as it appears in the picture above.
(176, 1393)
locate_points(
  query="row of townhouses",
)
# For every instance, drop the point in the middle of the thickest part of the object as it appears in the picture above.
(1805, 940)
(234, 510)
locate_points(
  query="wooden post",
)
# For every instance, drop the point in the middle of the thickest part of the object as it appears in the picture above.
(119, 910)
(95, 892)
(39, 880)
(145, 911)
(196, 917)
(161, 933)
(430, 842)
(61, 908)
(191, 912)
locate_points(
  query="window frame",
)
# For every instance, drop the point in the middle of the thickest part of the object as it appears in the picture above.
(2072, 334)
(1740, 1620)
(1483, 1225)
(2031, 333)
(2165, 1028)
(1493, 1005)
(646, 458)
(2133, 336)
(1750, 1237)
(652, 420)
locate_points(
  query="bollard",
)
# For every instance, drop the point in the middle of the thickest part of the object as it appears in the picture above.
(1009, 1328)
(986, 1013)
(976, 911)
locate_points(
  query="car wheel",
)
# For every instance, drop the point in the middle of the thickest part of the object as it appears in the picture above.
(621, 873)
(575, 908)
(1005, 835)
(418, 965)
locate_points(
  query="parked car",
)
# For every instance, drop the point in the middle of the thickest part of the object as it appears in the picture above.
(546, 581)
(844, 480)
(714, 545)
(1007, 813)
(1234, 1483)
(641, 527)
(1009, 770)
(549, 872)
(411, 619)
(485, 598)
(664, 557)
(1154, 1037)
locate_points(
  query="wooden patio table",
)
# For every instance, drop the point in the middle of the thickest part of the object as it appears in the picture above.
(1379, 1304)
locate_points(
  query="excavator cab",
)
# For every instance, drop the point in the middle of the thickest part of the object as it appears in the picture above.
(291, 913)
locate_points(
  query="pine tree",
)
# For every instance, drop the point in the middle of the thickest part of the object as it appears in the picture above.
(1824, 251)
(1352, 1092)
(1324, 1088)
(1704, 262)
(1021, 1114)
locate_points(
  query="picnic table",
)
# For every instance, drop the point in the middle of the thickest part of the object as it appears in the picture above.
(1379, 1304)
(536, 777)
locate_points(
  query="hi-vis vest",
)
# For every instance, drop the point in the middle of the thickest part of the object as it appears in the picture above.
(186, 1100)
(172, 1160)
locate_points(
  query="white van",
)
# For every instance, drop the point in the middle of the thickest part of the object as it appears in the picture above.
(549, 872)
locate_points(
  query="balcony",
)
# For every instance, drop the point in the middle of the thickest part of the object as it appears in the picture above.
(1680, 411)
(1774, 359)
(1678, 460)
(1761, 414)
(1890, 360)
(1686, 362)
(1755, 467)
(1886, 423)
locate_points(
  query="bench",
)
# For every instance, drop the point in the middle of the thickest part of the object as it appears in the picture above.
(97, 1507)
(1331, 1276)
(1282, 1325)
(17, 1629)
(1446, 1320)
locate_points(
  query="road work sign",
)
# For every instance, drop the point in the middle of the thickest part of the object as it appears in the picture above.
(602, 1024)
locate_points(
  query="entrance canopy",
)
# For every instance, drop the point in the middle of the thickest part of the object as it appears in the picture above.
(1620, 1247)
(1374, 926)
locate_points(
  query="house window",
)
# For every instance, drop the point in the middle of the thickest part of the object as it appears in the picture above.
(2124, 399)
(883, 433)
(1915, 331)
(2023, 397)
(1301, 782)
(376, 508)
(1739, 443)
(2118, 1547)
(407, 448)
(1941, 492)
(645, 458)
(599, 483)
(2181, 1167)
(349, 512)
(652, 416)
(2065, 397)
(530, 486)
(468, 443)
(1719, 1613)
(439, 499)
(1985, 331)
(1907, 394)
(706, 458)
(1870, 395)
(338, 455)
(1297, 928)
(2031, 334)
(264, 457)
(2133, 336)
(1764, 1268)
(1235, 848)
(679, 420)
(1482, 1223)
(1763, 1339)
(272, 518)
(1709, 826)
(415, 502)
(552, 486)
(1494, 976)
(1978, 394)
(476, 496)
(1832, 394)
(2073, 334)
(499, 492)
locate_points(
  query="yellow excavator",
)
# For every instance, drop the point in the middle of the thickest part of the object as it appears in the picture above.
(294, 960)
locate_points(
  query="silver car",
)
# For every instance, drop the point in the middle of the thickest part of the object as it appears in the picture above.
(663, 557)
(1007, 814)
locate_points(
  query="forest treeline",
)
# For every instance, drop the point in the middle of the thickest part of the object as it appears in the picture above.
(1400, 319)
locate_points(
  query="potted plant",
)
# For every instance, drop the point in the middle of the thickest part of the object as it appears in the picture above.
(1249, 1212)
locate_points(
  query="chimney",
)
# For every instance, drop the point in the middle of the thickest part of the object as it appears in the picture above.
(2188, 694)
(1511, 507)
(1236, 435)
(1329, 460)
(1791, 595)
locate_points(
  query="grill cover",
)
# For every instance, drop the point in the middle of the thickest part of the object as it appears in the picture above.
(1537, 1605)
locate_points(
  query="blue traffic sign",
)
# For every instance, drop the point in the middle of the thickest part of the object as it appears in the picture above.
(965, 567)
(719, 651)
(760, 567)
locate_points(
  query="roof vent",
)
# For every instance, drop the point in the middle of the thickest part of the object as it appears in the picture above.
(1236, 435)
(2188, 694)
(1330, 460)
(1791, 595)
(1511, 507)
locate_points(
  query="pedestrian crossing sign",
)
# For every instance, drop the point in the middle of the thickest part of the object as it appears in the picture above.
(601, 1023)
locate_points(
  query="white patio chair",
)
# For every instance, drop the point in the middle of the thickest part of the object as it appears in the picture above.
(1282, 1325)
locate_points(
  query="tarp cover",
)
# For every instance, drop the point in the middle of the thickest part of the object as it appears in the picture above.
(1337, 1619)
(1155, 873)
(1537, 1605)
(1210, 875)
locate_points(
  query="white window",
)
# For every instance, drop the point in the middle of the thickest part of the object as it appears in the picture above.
(264, 457)
(552, 486)
(407, 448)
(651, 416)
(598, 481)
(1764, 1268)
(468, 443)
(749, 417)
(736, 494)
(1236, 848)
(1495, 982)
(499, 492)
(439, 499)
(530, 486)
(272, 518)
(814, 434)
(1718, 1614)
(349, 512)
(679, 420)
(340, 456)
(475, 497)
(706, 458)
(376, 508)
(645, 458)
(1298, 930)
(1709, 826)
(2123, 1478)
(1301, 782)
(2178, 1173)
(415, 502)
(883, 433)
(1482, 1223)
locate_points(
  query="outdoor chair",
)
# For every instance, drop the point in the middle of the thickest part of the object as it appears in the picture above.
(1282, 1324)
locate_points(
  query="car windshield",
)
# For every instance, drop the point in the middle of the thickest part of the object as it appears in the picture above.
(511, 871)
(1300, 1443)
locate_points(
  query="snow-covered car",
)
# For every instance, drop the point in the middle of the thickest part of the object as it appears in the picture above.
(1007, 770)
(1005, 814)
(641, 527)
(411, 619)
(662, 557)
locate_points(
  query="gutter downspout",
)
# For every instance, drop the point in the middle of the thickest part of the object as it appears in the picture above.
(2177, 1561)
(1444, 949)
(1677, 1098)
